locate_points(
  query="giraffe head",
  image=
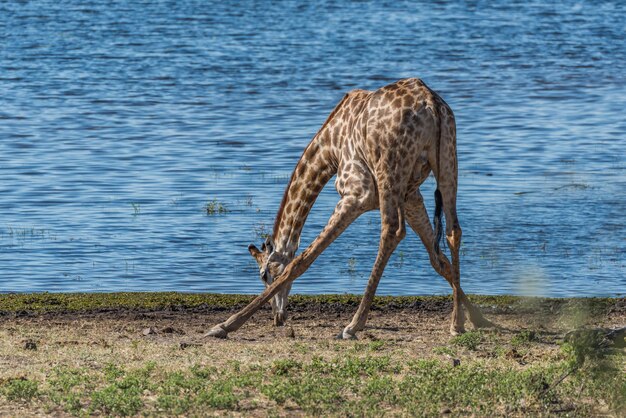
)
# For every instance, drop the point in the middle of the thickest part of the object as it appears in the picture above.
(271, 265)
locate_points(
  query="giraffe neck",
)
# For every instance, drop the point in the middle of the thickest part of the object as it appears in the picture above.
(315, 168)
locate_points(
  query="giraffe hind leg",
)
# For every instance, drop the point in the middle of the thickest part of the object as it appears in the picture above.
(417, 218)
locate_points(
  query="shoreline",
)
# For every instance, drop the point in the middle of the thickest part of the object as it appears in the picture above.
(38, 303)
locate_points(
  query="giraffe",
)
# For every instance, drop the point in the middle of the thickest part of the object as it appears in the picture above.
(381, 145)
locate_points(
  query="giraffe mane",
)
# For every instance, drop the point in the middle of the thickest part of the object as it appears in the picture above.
(283, 203)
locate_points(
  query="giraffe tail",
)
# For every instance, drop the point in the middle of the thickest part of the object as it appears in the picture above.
(437, 220)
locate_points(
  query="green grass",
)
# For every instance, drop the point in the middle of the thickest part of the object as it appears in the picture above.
(444, 350)
(522, 338)
(368, 385)
(214, 207)
(469, 340)
(20, 389)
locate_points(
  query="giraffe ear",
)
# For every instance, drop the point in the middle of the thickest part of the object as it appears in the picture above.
(254, 251)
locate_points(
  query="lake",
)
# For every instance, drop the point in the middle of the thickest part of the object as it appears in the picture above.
(120, 121)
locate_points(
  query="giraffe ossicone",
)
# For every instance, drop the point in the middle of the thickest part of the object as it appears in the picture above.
(381, 145)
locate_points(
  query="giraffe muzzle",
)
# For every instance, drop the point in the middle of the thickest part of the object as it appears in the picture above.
(280, 318)
(279, 307)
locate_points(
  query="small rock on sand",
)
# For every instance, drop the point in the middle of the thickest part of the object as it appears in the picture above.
(172, 330)
(186, 344)
(30, 345)
(149, 331)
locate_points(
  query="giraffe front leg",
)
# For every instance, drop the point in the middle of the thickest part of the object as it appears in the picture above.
(392, 232)
(237, 320)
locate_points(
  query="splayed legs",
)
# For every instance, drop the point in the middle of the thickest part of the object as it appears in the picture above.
(347, 210)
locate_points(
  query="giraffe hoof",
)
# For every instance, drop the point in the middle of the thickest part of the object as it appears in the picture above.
(454, 331)
(343, 335)
(279, 319)
(217, 332)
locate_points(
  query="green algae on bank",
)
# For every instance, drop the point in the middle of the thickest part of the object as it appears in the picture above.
(78, 302)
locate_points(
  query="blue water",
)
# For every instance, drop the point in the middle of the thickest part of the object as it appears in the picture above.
(120, 120)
